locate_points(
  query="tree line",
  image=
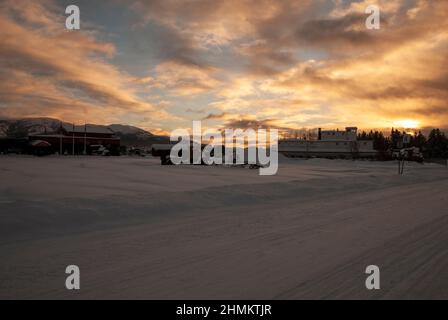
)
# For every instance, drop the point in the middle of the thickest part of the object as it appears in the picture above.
(435, 145)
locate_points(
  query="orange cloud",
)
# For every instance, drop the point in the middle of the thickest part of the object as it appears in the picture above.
(289, 64)
(182, 79)
(47, 70)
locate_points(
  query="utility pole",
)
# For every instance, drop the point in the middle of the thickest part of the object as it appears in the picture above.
(85, 138)
(73, 140)
(60, 140)
(403, 153)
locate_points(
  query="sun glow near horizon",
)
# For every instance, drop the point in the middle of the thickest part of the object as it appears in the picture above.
(407, 124)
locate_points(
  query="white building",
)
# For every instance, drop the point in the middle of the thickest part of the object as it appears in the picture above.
(350, 134)
(330, 144)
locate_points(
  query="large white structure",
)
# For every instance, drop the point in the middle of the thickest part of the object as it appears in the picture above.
(350, 134)
(330, 144)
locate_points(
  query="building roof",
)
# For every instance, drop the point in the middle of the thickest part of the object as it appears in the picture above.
(89, 128)
(63, 136)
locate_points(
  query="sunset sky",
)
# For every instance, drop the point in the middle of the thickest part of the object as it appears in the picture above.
(159, 64)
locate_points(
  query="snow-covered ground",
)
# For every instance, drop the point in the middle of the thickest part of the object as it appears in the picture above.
(140, 230)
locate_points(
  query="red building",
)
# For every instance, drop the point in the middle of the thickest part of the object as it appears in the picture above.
(85, 139)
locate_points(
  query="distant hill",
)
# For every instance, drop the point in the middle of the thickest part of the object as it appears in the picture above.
(137, 137)
(130, 135)
(125, 129)
(28, 126)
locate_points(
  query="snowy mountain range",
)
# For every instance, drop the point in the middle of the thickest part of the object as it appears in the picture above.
(129, 135)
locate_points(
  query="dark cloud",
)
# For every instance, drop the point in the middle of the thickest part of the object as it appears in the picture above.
(216, 116)
(252, 124)
(431, 110)
(174, 46)
(344, 30)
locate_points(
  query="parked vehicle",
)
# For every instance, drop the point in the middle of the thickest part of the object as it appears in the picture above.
(100, 150)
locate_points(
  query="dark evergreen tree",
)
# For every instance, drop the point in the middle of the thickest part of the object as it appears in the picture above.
(418, 140)
(437, 144)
